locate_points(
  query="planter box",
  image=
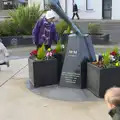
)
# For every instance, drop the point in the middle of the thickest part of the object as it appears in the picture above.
(60, 60)
(42, 73)
(99, 80)
(100, 39)
(17, 40)
(64, 38)
(84, 74)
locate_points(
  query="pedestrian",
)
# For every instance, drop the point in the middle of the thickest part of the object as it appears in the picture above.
(44, 31)
(75, 11)
(3, 55)
(112, 99)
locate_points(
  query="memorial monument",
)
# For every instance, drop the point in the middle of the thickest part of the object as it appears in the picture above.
(79, 51)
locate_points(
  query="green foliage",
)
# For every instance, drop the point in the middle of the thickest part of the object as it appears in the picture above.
(94, 28)
(106, 58)
(8, 28)
(21, 22)
(68, 30)
(62, 26)
(115, 49)
(41, 53)
(58, 47)
(26, 17)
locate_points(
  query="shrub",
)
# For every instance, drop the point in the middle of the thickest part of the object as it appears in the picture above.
(8, 28)
(58, 47)
(26, 17)
(22, 21)
(94, 28)
(61, 27)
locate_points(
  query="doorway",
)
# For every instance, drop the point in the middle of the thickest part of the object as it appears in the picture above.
(107, 9)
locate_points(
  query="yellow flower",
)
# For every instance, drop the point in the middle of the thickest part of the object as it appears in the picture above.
(103, 54)
(117, 64)
(49, 49)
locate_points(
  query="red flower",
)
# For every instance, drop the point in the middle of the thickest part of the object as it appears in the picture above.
(34, 52)
(113, 53)
(54, 51)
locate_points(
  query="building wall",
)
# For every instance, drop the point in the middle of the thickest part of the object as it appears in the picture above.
(69, 8)
(96, 13)
(41, 2)
(62, 2)
(15, 3)
(115, 9)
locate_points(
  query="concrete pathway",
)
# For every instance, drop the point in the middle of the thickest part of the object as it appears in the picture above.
(19, 103)
(23, 51)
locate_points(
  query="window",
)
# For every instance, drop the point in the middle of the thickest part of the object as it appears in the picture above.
(89, 4)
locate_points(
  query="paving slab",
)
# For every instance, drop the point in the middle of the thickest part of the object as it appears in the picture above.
(17, 102)
(15, 66)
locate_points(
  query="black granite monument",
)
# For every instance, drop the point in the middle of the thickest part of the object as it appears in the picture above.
(79, 51)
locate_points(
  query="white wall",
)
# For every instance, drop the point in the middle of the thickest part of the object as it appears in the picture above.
(41, 2)
(62, 2)
(115, 9)
(69, 8)
(96, 13)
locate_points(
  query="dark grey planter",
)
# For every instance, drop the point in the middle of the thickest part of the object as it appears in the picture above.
(99, 79)
(42, 73)
(100, 39)
(60, 60)
(64, 38)
(17, 40)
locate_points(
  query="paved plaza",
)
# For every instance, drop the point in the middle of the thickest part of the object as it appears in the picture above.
(18, 102)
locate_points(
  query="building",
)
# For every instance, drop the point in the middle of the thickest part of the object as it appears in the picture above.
(88, 9)
(11, 4)
(41, 2)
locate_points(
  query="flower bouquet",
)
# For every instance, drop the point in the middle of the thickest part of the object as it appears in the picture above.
(42, 54)
(108, 59)
(104, 72)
